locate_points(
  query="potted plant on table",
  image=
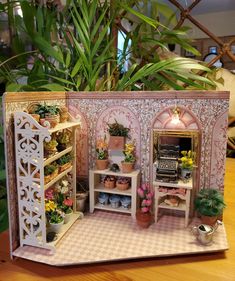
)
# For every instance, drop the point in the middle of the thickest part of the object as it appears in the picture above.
(102, 154)
(187, 162)
(209, 204)
(143, 215)
(129, 160)
(117, 133)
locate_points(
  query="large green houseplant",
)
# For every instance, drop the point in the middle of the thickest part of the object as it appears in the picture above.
(75, 49)
(209, 203)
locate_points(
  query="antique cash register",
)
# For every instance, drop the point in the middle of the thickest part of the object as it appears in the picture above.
(167, 163)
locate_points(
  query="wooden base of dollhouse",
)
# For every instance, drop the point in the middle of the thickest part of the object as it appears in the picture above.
(107, 236)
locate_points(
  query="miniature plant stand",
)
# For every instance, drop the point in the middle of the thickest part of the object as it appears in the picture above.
(31, 185)
(97, 187)
(182, 192)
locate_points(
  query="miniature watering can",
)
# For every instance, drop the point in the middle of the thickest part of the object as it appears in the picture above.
(205, 233)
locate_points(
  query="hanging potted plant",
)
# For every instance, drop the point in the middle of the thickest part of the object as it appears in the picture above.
(102, 154)
(129, 160)
(209, 204)
(117, 133)
(143, 215)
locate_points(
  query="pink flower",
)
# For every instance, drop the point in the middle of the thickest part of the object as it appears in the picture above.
(149, 195)
(144, 202)
(144, 209)
(68, 202)
(140, 192)
(148, 202)
(49, 194)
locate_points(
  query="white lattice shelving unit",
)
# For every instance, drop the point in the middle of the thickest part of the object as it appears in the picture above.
(96, 187)
(30, 162)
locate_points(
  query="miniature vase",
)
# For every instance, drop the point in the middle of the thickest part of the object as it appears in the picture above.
(186, 173)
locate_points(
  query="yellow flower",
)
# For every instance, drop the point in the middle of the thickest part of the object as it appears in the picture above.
(50, 206)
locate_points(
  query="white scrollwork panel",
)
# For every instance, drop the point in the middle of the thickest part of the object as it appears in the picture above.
(29, 137)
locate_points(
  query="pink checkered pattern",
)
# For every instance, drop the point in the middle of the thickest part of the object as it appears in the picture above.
(108, 236)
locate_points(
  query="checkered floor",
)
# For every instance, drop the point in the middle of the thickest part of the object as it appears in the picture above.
(108, 236)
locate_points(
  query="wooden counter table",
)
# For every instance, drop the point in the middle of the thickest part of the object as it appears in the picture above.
(208, 267)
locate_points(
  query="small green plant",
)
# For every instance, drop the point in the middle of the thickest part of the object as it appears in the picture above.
(56, 216)
(63, 137)
(51, 144)
(129, 152)
(187, 160)
(102, 149)
(64, 159)
(44, 109)
(116, 129)
(50, 169)
(209, 202)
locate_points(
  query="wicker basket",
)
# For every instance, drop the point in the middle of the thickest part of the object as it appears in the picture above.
(122, 186)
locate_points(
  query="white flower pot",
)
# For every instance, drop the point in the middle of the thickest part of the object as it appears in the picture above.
(186, 173)
(67, 217)
(56, 227)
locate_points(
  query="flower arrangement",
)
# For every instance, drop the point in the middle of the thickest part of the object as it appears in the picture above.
(129, 152)
(117, 129)
(146, 196)
(66, 206)
(187, 160)
(102, 149)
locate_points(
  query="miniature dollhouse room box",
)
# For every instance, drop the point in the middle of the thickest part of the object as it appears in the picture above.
(161, 124)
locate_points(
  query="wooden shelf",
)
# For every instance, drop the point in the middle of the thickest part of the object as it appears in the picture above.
(180, 207)
(109, 208)
(62, 126)
(117, 174)
(180, 184)
(49, 184)
(57, 155)
(101, 188)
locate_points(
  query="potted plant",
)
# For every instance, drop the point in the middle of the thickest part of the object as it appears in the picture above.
(63, 138)
(64, 114)
(123, 183)
(66, 207)
(54, 216)
(50, 172)
(65, 162)
(102, 154)
(129, 160)
(48, 113)
(109, 181)
(209, 204)
(117, 133)
(187, 162)
(143, 215)
(50, 147)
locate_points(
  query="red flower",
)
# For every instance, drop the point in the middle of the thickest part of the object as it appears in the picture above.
(68, 202)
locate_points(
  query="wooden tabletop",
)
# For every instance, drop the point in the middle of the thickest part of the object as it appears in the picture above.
(208, 267)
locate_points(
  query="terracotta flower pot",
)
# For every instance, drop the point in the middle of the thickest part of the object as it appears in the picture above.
(52, 119)
(209, 220)
(102, 164)
(122, 186)
(143, 219)
(64, 116)
(127, 167)
(109, 183)
(116, 142)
